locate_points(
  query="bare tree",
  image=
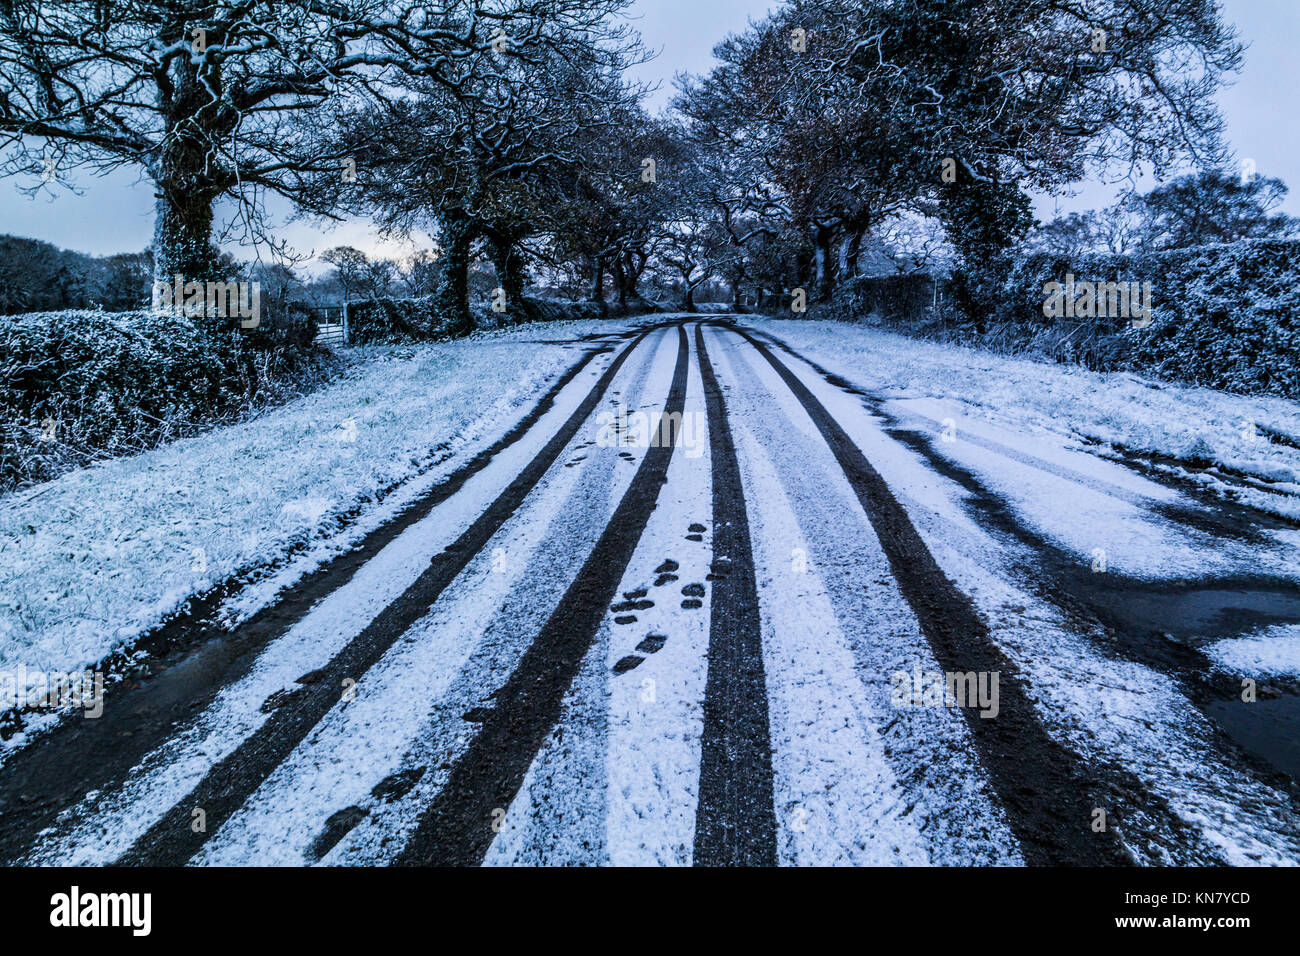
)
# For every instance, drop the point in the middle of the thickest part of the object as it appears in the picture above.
(485, 158)
(221, 98)
(1214, 207)
(850, 111)
(350, 268)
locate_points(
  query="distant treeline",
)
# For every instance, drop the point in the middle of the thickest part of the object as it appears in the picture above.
(37, 276)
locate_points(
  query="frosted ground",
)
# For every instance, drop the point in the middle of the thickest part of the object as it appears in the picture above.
(92, 560)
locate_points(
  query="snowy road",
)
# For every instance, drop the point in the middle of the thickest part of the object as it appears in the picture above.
(800, 623)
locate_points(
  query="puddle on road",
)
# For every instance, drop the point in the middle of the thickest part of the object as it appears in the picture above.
(1194, 614)
(1269, 729)
(1162, 625)
(1168, 629)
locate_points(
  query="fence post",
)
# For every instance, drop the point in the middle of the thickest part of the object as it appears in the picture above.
(345, 321)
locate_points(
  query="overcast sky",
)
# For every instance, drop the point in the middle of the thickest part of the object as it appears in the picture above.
(115, 213)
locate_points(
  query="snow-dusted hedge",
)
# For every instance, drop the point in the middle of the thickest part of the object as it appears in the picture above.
(1019, 296)
(895, 298)
(1226, 317)
(387, 321)
(384, 321)
(78, 386)
(564, 310)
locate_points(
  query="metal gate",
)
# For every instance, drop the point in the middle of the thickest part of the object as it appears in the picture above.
(332, 329)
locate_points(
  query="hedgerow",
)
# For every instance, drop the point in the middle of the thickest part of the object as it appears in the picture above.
(79, 386)
(1225, 317)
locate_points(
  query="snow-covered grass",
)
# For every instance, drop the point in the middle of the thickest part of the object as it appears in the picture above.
(93, 559)
(1119, 410)
(1111, 711)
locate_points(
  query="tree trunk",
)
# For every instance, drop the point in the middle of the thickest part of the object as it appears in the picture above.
(182, 237)
(688, 295)
(853, 254)
(508, 263)
(825, 263)
(185, 184)
(452, 298)
(598, 282)
(620, 285)
(632, 275)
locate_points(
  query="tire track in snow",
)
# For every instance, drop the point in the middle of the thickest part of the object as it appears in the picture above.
(418, 699)
(171, 840)
(858, 779)
(1048, 792)
(735, 823)
(70, 760)
(457, 827)
(1183, 794)
(452, 720)
(616, 782)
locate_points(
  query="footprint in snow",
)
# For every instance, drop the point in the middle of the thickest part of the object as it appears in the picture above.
(651, 644)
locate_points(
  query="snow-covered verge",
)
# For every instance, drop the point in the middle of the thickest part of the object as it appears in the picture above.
(82, 386)
(1244, 446)
(95, 558)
